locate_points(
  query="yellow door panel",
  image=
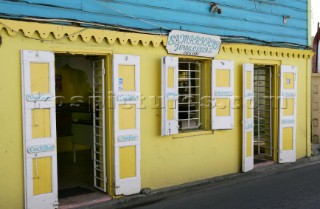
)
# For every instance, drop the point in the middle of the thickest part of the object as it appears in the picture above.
(41, 123)
(170, 109)
(127, 117)
(249, 80)
(127, 74)
(127, 162)
(39, 76)
(249, 109)
(249, 144)
(222, 107)
(288, 106)
(287, 136)
(170, 79)
(288, 79)
(222, 78)
(42, 175)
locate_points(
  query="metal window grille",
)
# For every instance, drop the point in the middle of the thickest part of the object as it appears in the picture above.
(99, 132)
(189, 95)
(263, 109)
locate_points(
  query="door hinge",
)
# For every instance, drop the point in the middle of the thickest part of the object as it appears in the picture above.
(116, 186)
(56, 204)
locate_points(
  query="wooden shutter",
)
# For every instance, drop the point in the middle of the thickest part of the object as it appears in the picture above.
(170, 95)
(39, 128)
(288, 114)
(248, 117)
(126, 87)
(222, 90)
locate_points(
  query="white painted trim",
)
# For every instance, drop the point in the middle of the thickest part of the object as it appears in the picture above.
(247, 124)
(222, 122)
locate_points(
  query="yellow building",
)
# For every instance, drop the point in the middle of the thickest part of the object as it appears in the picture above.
(151, 119)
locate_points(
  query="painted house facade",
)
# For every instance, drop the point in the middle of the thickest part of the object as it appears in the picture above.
(151, 93)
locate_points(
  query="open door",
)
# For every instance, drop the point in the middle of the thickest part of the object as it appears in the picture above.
(287, 118)
(248, 123)
(39, 129)
(99, 125)
(126, 87)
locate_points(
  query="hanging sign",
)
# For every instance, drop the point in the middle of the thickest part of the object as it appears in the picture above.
(194, 44)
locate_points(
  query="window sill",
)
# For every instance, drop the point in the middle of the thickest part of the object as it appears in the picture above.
(192, 134)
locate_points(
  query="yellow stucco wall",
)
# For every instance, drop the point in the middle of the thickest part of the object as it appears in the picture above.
(165, 161)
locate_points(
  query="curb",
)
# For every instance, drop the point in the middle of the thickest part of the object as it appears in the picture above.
(160, 194)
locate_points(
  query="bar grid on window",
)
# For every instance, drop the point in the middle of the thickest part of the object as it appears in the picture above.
(189, 95)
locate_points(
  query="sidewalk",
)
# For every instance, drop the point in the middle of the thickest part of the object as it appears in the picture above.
(158, 195)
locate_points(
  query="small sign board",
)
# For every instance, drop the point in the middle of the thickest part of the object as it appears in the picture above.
(193, 44)
(40, 148)
(127, 138)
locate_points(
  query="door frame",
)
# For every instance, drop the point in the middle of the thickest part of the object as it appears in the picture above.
(276, 88)
(107, 55)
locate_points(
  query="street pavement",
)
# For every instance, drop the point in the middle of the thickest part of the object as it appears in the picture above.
(290, 189)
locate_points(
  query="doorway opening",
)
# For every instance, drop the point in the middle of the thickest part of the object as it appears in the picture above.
(81, 129)
(263, 114)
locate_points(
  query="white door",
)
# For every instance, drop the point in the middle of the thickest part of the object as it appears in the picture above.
(248, 116)
(39, 129)
(288, 109)
(126, 88)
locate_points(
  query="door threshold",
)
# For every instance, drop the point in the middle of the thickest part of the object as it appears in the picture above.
(83, 200)
(268, 162)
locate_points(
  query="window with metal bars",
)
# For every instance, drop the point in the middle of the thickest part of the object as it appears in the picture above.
(189, 95)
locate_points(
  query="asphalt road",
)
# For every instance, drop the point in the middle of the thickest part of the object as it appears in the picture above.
(298, 188)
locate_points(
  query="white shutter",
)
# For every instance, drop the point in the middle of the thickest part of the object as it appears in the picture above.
(126, 88)
(248, 118)
(288, 114)
(39, 129)
(222, 90)
(170, 96)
